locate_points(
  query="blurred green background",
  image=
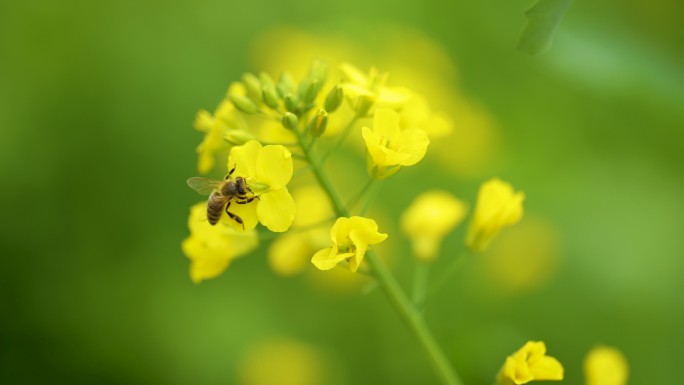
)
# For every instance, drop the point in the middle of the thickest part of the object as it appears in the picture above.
(97, 101)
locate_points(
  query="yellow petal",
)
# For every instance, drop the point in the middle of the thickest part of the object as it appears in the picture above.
(326, 259)
(393, 97)
(276, 210)
(514, 372)
(203, 268)
(386, 123)
(274, 166)
(413, 143)
(211, 248)
(245, 157)
(354, 75)
(340, 231)
(375, 146)
(547, 369)
(367, 230)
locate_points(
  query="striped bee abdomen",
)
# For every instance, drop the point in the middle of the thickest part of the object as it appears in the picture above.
(215, 207)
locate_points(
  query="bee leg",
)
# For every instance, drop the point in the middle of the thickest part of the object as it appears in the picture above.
(234, 217)
(250, 190)
(231, 171)
(246, 200)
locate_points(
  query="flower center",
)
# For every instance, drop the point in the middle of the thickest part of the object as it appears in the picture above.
(258, 187)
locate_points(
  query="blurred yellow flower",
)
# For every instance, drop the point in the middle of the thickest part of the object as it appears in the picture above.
(283, 361)
(225, 127)
(418, 113)
(530, 363)
(390, 147)
(268, 170)
(525, 257)
(605, 365)
(212, 248)
(350, 237)
(498, 205)
(359, 86)
(431, 216)
(290, 253)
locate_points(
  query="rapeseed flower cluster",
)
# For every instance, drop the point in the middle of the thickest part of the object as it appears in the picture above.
(271, 135)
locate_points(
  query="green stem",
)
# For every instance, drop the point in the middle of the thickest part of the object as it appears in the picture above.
(445, 277)
(391, 287)
(371, 196)
(420, 284)
(414, 320)
(355, 199)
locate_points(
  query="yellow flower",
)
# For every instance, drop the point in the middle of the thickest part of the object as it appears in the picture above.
(497, 206)
(290, 253)
(288, 362)
(390, 147)
(267, 169)
(221, 130)
(605, 365)
(530, 363)
(431, 216)
(212, 248)
(524, 258)
(372, 88)
(350, 237)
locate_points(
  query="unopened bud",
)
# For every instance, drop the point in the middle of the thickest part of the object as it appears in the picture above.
(334, 99)
(238, 137)
(318, 72)
(286, 84)
(318, 123)
(309, 90)
(253, 86)
(291, 102)
(266, 80)
(243, 104)
(290, 121)
(270, 97)
(363, 104)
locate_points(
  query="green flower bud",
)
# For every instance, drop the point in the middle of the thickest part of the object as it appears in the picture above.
(291, 102)
(270, 96)
(238, 137)
(334, 99)
(253, 86)
(318, 123)
(363, 104)
(286, 84)
(243, 104)
(266, 80)
(290, 121)
(318, 72)
(308, 90)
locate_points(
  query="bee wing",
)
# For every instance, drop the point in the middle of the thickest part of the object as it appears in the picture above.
(204, 186)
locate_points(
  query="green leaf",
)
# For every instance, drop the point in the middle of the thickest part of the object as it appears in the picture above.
(542, 20)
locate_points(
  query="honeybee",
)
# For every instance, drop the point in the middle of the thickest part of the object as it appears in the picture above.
(222, 192)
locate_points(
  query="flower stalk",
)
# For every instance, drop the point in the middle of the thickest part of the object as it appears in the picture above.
(390, 285)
